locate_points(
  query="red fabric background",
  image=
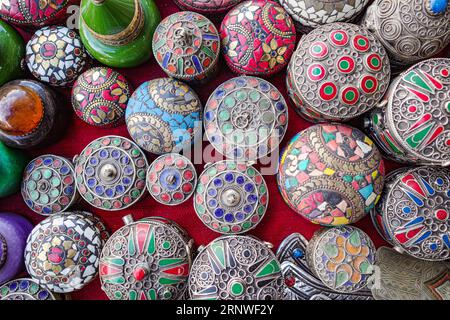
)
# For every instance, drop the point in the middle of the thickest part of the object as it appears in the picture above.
(279, 222)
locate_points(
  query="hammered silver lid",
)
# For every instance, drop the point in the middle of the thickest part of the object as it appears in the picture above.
(236, 268)
(338, 72)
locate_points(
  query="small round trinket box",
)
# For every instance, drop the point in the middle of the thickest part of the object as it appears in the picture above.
(258, 38)
(415, 212)
(14, 230)
(34, 13)
(164, 115)
(171, 179)
(55, 55)
(100, 96)
(48, 185)
(146, 260)
(246, 118)
(310, 14)
(186, 45)
(410, 30)
(25, 289)
(62, 252)
(119, 33)
(402, 277)
(28, 113)
(213, 8)
(236, 268)
(231, 197)
(342, 258)
(331, 174)
(12, 48)
(110, 173)
(12, 164)
(338, 72)
(412, 123)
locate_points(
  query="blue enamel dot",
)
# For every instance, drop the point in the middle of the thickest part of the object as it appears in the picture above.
(91, 182)
(212, 192)
(218, 212)
(90, 171)
(120, 189)
(248, 208)
(64, 170)
(125, 160)
(237, 152)
(448, 193)
(297, 253)
(252, 198)
(280, 106)
(99, 190)
(229, 217)
(220, 93)
(212, 203)
(209, 116)
(93, 161)
(48, 161)
(128, 170)
(439, 181)
(115, 154)
(24, 285)
(104, 154)
(229, 177)
(218, 182)
(68, 191)
(249, 187)
(109, 192)
(433, 246)
(406, 210)
(47, 210)
(241, 82)
(126, 181)
(240, 216)
(13, 286)
(42, 295)
(438, 6)
(240, 180)
(264, 86)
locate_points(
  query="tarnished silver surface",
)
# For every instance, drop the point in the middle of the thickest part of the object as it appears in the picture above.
(236, 268)
(415, 212)
(412, 123)
(342, 258)
(410, 30)
(147, 259)
(401, 277)
(300, 281)
(338, 72)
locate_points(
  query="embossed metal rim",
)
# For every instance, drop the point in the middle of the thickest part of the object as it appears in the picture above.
(41, 288)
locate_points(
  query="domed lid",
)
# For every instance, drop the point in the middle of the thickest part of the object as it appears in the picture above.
(171, 179)
(146, 260)
(25, 289)
(110, 173)
(331, 174)
(236, 267)
(246, 118)
(342, 258)
(63, 251)
(231, 197)
(48, 184)
(417, 212)
(113, 21)
(418, 111)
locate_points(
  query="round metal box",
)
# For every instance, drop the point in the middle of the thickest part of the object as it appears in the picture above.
(338, 72)
(146, 260)
(12, 48)
(246, 118)
(412, 123)
(258, 38)
(331, 174)
(236, 268)
(25, 289)
(163, 116)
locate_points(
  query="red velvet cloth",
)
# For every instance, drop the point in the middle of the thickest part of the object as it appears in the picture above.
(279, 221)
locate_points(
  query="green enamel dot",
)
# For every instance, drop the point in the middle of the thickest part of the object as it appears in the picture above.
(34, 288)
(263, 132)
(251, 172)
(46, 174)
(227, 128)
(262, 189)
(117, 246)
(135, 193)
(344, 65)
(328, 90)
(338, 36)
(231, 165)
(252, 138)
(135, 152)
(116, 142)
(55, 182)
(44, 199)
(96, 145)
(118, 295)
(88, 196)
(375, 62)
(212, 171)
(350, 95)
(229, 101)
(369, 84)
(54, 193)
(224, 115)
(141, 174)
(268, 117)
(238, 137)
(448, 107)
(36, 175)
(261, 210)
(106, 205)
(316, 71)
(264, 104)
(347, 178)
(34, 195)
(4, 291)
(200, 209)
(237, 289)
(317, 49)
(200, 188)
(361, 42)
(246, 225)
(167, 294)
(225, 229)
(31, 185)
(254, 96)
(166, 245)
(241, 95)
(375, 119)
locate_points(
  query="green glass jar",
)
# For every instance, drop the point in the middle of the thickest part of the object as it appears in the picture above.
(119, 33)
(12, 51)
(12, 164)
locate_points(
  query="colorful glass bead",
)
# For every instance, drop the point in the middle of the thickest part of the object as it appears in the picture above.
(35, 13)
(28, 113)
(62, 252)
(110, 173)
(25, 289)
(213, 8)
(310, 14)
(236, 268)
(338, 72)
(146, 260)
(415, 212)
(402, 277)
(14, 230)
(246, 118)
(258, 38)
(342, 258)
(100, 96)
(331, 174)
(12, 164)
(300, 281)
(186, 45)
(119, 33)
(55, 55)
(48, 185)
(410, 30)
(412, 123)
(12, 48)
(231, 197)
(163, 116)
(171, 179)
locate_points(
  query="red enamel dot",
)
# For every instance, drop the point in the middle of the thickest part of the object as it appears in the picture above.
(361, 43)
(346, 64)
(178, 196)
(373, 62)
(289, 281)
(328, 91)
(318, 49)
(339, 37)
(316, 72)
(349, 95)
(188, 174)
(165, 197)
(139, 274)
(441, 214)
(445, 72)
(369, 84)
(412, 109)
(187, 188)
